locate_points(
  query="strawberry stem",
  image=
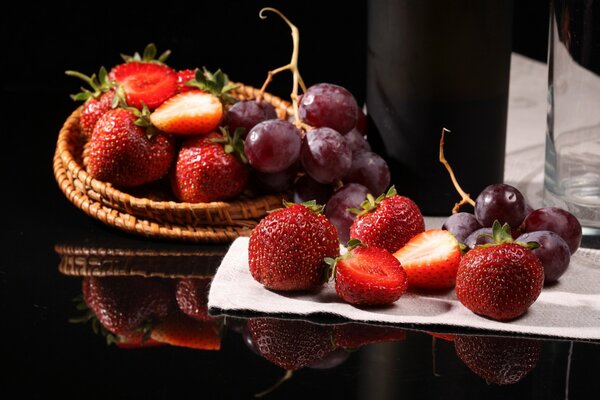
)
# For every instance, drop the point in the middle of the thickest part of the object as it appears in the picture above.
(465, 197)
(292, 66)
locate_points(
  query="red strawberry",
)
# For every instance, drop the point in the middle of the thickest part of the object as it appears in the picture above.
(430, 259)
(501, 360)
(184, 76)
(192, 297)
(148, 83)
(180, 330)
(354, 335)
(207, 170)
(368, 276)
(93, 109)
(499, 281)
(288, 247)
(388, 222)
(189, 113)
(290, 344)
(124, 304)
(98, 100)
(122, 153)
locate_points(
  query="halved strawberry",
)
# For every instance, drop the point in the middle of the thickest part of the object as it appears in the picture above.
(430, 259)
(145, 83)
(189, 113)
(368, 276)
(180, 330)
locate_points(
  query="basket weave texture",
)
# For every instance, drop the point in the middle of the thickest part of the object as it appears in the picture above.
(155, 215)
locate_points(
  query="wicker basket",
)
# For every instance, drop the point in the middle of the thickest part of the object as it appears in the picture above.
(153, 216)
(163, 263)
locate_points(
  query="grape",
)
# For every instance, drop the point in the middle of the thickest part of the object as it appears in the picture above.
(325, 155)
(361, 122)
(306, 189)
(369, 170)
(273, 145)
(461, 225)
(556, 220)
(247, 113)
(276, 181)
(553, 252)
(356, 141)
(336, 210)
(328, 105)
(479, 237)
(500, 202)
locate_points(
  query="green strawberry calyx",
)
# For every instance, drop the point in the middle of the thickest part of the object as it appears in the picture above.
(501, 234)
(371, 202)
(98, 84)
(232, 144)
(148, 56)
(332, 262)
(216, 83)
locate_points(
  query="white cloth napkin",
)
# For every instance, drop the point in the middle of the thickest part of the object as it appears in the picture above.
(570, 309)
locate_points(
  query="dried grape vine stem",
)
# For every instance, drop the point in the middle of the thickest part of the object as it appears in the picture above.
(292, 66)
(465, 197)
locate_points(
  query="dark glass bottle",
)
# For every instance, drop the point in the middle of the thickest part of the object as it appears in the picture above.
(436, 64)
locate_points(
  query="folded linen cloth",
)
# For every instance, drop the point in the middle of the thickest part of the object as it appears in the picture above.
(569, 309)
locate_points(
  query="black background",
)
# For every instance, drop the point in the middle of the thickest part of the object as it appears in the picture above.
(45, 355)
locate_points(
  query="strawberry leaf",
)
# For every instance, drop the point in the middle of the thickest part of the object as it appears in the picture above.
(216, 83)
(98, 83)
(149, 55)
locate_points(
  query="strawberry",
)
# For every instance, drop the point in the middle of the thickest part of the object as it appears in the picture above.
(388, 222)
(192, 297)
(136, 340)
(207, 170)
(288, 247)
(499, 280)
(97, 101)
(180, 330)
(368, 275)
(122, 153)
(146, 83)
(500, 360)
(290, 344)
(189, 113)
(124, 305)
(354, 335)
(183, 77)
(430, 259)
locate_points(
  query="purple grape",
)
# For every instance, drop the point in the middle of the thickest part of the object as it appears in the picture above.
(370, 170)
(500, 202)
(248, 113)
(556, 220)
(325, 155)
(356, 141)
(461, 225)
(361, 122)
(553, 252)
(273, 145)
(328, 105)
(336, 210)
(306, 189)
(479, 237)
(275, 182)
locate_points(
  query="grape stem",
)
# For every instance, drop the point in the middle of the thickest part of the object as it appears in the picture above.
(292, 66)
(465, 197)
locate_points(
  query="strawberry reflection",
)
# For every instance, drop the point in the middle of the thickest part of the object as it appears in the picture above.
(499, 360)
(134, 311)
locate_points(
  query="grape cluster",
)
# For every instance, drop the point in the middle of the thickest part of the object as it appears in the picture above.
(557, 232)
(328, 159)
